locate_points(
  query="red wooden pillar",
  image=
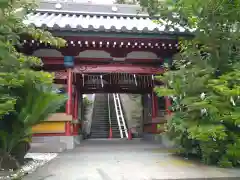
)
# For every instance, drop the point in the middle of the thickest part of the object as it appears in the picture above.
(156, 104)
(167, 105)
(76, 105)
(154, 108)
(69, 101)
(154, 111)
(75, 113)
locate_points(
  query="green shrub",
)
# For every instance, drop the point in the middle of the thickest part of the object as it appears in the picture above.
(203, 77)
(212, 135)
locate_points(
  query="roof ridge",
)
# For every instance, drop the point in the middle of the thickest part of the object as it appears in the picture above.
(91, 4)
(58, 21)
(90, 8)
(91, 13)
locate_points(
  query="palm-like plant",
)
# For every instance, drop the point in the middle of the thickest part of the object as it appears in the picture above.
(35, 103)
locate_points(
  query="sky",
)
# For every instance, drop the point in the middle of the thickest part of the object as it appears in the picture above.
(103, 1)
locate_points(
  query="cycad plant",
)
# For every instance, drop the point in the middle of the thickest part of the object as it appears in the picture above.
(34, 104)
(24, 98)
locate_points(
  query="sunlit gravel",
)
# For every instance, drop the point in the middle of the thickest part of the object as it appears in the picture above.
(39, 159)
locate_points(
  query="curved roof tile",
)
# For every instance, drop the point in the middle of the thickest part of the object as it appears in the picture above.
(81, 22)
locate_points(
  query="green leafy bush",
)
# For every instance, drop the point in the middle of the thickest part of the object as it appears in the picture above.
(25, 96)
(205, 85)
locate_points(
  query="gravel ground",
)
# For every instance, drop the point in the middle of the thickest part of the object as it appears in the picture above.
(39, 159)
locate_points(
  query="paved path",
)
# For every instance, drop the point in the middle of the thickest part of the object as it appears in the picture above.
(122, 160)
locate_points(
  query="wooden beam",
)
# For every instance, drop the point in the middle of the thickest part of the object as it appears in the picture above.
(115, 90)
(117, 68)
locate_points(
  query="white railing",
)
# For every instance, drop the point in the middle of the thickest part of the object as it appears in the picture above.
(120, 117)
(109, 112)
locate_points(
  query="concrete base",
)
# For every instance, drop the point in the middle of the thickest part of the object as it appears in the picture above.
(159, 138)
(55, 143)
(47, 147)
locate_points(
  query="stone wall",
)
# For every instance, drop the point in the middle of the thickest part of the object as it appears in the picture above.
(162, 139)
(132, 108)
(88, 114)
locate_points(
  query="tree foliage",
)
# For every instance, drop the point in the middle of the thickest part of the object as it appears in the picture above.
(25, 95)
(205, 87)
(14, 66)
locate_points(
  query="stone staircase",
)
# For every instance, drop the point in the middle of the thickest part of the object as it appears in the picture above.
(100, 121)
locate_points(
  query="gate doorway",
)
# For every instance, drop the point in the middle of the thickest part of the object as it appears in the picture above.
(111, 115)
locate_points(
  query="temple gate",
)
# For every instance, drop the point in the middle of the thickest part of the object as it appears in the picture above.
(110, 49)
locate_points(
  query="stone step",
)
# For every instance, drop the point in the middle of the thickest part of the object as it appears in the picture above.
(115, 128)
(101, 122)
(99, 135)
(100, 119)
(95, 121)
(99, 131)
(100, 125)
(115, 132)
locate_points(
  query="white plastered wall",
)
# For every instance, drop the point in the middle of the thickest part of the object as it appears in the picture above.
(95, 54)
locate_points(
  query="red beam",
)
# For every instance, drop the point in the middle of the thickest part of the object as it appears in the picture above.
(61, 76)
(117, 68)
(117, 90)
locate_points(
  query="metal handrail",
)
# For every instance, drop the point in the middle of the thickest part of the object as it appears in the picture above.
(118, 120)
(123, 118)
(109, 112)
(120, 116)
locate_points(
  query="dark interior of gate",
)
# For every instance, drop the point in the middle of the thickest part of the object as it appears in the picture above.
(118, 82)
(113, 53)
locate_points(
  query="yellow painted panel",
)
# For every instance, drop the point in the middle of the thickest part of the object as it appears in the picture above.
(49, 127)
